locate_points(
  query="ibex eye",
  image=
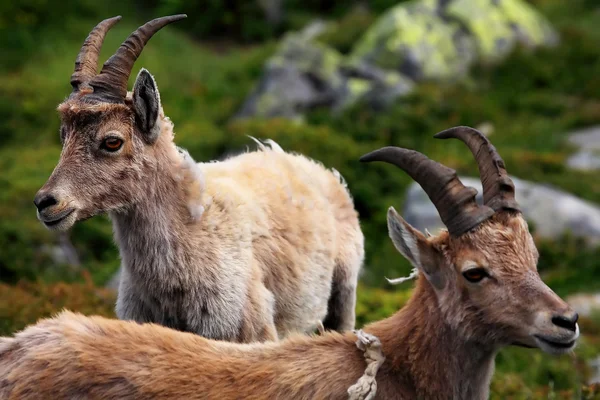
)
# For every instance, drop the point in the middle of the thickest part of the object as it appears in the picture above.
(475, 275)
(112, 144)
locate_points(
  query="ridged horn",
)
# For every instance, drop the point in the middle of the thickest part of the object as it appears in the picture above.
(112, 81)
(86, 63)
(455, 203)
(498, 188)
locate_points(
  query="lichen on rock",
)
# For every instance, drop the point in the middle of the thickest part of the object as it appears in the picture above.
(433, 40)
(302, 74)
(497, 26)
(413, 39)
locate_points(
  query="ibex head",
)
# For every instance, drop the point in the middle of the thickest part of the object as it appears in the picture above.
(483, 270)
(110, 137)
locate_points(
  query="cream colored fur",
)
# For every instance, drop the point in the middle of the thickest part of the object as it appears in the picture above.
(250, 248)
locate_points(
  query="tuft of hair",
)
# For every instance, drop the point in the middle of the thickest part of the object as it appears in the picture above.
(272, 145)
(5, 344)
(195, 183)
(339, 176)
(396, 281)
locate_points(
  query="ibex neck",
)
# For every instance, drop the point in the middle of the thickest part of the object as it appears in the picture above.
(425, 353)
(152, 233)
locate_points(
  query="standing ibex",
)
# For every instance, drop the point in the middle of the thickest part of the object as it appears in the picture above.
(477, 291)
(251, 248)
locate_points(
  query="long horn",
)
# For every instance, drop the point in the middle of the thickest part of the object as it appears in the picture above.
(498, 188)
(86, 63)
(455, 203)
(112, 81)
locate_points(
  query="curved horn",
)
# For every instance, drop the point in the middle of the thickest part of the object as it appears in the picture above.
(455, 203)
(112, 81)
(498, 188)
(86, 63)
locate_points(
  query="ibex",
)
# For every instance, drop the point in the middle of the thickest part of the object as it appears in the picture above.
(247, 249)
(477, 291)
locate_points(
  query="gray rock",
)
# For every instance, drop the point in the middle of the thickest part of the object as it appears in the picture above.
(301, 75)
(413, 41)
(553, 212)
(588, 156)
(63, 253)
(584, 304)
(305, 74)
(595, 378)
(376, 87)
(585, 160)
(497, 26)
(431, 40)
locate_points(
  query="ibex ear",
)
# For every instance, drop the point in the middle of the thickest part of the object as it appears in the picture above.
(413, 245)
(146, 102)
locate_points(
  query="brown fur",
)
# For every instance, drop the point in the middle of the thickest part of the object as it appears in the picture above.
(441, 345)
(250, 248)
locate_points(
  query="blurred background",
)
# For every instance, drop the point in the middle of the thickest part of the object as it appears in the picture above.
(331, 79)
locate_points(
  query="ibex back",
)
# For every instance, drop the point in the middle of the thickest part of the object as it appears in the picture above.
(247, 249)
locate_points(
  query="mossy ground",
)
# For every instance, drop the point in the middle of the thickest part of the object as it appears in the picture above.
(532, 100)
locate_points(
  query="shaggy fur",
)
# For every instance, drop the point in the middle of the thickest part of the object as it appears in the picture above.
(441, 345)
(250, 248)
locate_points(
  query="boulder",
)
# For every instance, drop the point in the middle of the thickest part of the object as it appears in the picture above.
(497, 26)
(551, 211)
(305, 74)
(440, 40)
(62, 253)
(584, 304)
(435, 40)
(375, 87)
(301, 75)
(587, 158)
(595, 378)
(413, 39)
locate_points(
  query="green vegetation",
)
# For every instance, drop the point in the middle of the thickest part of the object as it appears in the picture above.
(532, 100)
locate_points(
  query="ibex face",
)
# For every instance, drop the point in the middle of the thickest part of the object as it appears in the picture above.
(110, 139)
(499, 285)
(484, 269)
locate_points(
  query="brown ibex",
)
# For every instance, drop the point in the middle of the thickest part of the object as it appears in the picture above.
(250, 248)
(477, 291)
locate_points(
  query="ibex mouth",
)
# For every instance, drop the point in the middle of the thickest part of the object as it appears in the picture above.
(55, 221)
(554, 346)
(561, 345)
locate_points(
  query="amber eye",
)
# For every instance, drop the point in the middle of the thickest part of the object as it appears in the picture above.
(112, 144)
(475, 275)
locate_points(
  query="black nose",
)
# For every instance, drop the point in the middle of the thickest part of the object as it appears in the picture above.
(43, 200)
(565, 322)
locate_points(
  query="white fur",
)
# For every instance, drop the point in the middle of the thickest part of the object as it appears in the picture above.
(396, 281)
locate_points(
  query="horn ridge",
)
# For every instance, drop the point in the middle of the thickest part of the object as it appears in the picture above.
(86, 63)
(111, 83)
(498, 188)
(455, 203)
